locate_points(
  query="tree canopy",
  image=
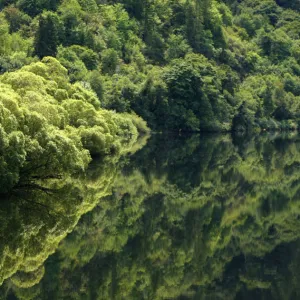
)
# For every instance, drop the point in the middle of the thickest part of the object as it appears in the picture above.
(184, 65)
(49, 127)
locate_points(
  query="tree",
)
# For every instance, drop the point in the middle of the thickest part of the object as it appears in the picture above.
(110, 61)
(16, 18)
(47, 35)
(96, 82)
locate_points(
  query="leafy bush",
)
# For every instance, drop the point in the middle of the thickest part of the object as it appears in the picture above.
(46, 130)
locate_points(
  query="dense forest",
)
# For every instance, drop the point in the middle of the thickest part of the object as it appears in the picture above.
(81, 77)
(200, 218)
(83, 82)
(185, 65)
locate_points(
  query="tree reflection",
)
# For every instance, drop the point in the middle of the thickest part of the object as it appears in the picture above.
(199, 217)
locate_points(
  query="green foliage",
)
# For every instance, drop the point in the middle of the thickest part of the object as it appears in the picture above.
(109, 60)
(177, 47)
(16, 18)
(49, 126)
(69, 59)
(47, 35)
(189, 96)
(96, 81)
(186, 65)
(121, 41)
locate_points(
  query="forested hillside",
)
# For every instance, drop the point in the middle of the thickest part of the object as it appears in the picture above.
(184, 65)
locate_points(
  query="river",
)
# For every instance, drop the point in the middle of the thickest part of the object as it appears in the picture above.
(186, 217)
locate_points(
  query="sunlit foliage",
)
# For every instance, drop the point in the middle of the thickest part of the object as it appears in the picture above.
(130, 52)
(49, 127)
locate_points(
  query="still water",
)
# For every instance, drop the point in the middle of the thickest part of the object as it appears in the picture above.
(185, 217)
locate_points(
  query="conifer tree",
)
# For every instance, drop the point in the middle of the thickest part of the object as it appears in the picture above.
(47, 36)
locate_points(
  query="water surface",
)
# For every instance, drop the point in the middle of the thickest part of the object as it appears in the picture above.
(186, 217)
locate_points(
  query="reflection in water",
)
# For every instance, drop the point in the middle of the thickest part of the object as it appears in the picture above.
(199, 217)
